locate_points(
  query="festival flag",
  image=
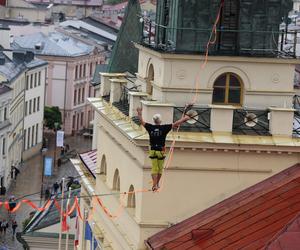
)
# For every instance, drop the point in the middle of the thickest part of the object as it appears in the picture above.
(88, 232)
(89, 236)
(76, 241)
(65, 226)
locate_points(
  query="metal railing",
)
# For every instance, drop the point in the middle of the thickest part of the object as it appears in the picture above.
(270, 43)
(296, 124)
(296, 102)
(250, 122)
(200, 121)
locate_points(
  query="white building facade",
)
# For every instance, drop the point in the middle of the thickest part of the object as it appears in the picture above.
(34, 109)
(5, 126)
(16, 71)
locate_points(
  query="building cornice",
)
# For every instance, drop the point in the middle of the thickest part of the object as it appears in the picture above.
(195, 140)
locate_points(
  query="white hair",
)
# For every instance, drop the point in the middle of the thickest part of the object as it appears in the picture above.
(157, 118)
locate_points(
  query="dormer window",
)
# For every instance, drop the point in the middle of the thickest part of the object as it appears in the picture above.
(228, 89)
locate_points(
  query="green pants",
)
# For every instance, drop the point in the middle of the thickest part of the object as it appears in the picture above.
(157, 159)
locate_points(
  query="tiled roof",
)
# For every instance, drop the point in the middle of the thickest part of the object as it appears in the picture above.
(100, 68)
(55, 44)
(89, 159)
(124, 56)
(247, 220)
(288, 238)
(4, 89)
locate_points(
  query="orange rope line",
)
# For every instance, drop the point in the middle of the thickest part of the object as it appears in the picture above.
(212, 40)
(213, 35)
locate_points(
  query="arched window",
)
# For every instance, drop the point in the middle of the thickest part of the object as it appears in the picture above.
(116, 183)
(228, 89)
(150, 79)
(131, 198)
(103, 168)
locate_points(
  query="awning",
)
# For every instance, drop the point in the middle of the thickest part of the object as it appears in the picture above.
(89, 160)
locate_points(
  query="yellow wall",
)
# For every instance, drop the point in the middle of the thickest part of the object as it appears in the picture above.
(267, 81)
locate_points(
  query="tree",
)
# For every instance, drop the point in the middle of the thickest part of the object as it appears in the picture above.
(52, 115)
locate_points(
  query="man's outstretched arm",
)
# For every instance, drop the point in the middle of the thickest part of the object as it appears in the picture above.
(180, 121)
(139, 112)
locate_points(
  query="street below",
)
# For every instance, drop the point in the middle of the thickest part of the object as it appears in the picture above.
(29, 182)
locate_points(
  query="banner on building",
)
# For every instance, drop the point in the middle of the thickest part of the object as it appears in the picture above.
(48, 161)
(60, 138)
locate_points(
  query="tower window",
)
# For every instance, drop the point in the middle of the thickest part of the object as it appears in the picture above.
(228, 89)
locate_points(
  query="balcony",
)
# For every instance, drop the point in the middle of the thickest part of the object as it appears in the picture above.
(125, 96)
(226, 42)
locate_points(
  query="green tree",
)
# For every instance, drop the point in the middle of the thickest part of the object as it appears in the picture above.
(52, 115)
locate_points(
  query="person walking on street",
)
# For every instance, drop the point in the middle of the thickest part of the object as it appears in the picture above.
(17, 171)
(12, 172)
(14, 226)
(158, 133)
(55, 187)
(61, 186)
(4, 226)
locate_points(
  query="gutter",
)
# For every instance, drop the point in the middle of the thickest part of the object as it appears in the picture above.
(147, 244)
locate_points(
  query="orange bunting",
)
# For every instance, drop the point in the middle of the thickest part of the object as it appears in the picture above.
(40, 209)
(78, 208)
(118, 211)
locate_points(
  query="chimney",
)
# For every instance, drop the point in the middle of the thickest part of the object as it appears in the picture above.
(5, 40)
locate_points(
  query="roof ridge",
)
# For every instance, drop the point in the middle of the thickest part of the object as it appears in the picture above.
(222, 208)
(283, 230)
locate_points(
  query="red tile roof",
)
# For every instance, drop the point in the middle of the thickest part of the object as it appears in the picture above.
(89, 159)
(288, 238)
(247, 220)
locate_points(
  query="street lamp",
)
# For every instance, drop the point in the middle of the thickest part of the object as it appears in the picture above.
(43, 170)
(56, 126)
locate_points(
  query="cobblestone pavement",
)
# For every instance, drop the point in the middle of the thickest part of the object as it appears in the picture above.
(29, 182)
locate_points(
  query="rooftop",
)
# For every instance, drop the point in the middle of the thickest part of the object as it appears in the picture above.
(88, 25)
(21, 61)
(288, 237)
(89, 159)
(4, 89)
(55, 44)
(10, 69)
(250, 219)
(100, 68)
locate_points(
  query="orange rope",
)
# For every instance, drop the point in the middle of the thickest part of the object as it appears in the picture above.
(212, 40)
(30, 203)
